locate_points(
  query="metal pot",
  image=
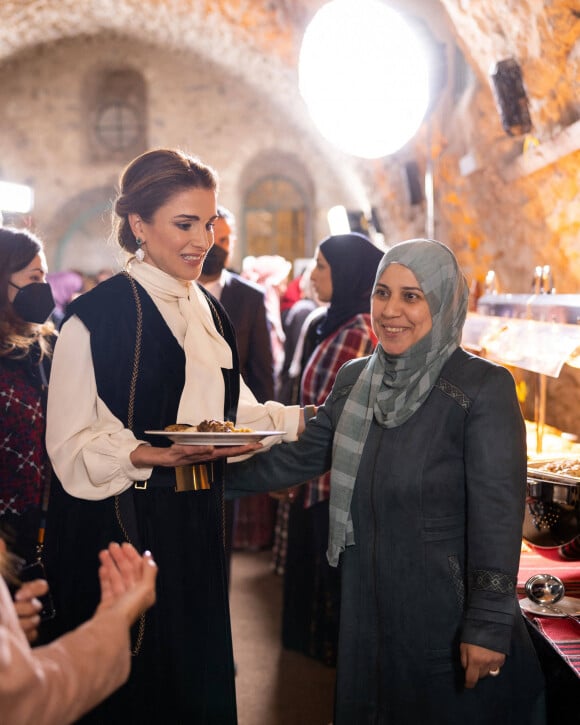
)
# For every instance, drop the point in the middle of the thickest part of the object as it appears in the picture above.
(552, 516)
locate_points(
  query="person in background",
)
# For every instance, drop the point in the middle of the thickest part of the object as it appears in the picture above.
(271, 271)
(65, 286)
(256, 515)
(292, 322)
(245, 304)
(57, 683)
(306, 306)
(342, 278)
(143, 350)
(427, 451)
(26, 341)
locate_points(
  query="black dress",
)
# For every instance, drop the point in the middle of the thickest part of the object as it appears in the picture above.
(183, 671)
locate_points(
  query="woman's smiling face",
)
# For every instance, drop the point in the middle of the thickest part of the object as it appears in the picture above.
(400, 313)
(180, 233)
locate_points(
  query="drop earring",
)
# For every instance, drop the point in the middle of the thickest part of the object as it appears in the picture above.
(139, 253)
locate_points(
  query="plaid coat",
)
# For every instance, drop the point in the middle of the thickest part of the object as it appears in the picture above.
(352, 340)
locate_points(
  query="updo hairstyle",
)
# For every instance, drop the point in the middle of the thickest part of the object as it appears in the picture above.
(149, 181)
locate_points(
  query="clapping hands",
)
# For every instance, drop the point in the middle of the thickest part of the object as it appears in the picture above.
(127, 580)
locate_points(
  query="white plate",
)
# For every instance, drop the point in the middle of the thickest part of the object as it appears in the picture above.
(187, 438)
(566, 605)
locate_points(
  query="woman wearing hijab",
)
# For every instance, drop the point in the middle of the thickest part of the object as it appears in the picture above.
(342, 277)
(427, 452)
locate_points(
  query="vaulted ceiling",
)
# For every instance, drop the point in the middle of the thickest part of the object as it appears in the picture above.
(517, 192)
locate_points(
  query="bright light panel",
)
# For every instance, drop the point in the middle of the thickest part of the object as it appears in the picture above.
(338, 223)
(364, 76)
(17, 198)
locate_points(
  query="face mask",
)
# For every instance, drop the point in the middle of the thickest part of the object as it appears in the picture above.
(215, 261)
(33, 302)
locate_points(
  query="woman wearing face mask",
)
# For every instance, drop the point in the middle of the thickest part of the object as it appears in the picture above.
(427, 452)
(26, 340)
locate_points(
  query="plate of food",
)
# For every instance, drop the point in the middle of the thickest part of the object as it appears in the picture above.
(560, 470)
(213, 433)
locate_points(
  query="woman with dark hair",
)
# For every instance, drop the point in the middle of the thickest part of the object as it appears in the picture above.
(343, 277)
(145, 349)
(26, 339)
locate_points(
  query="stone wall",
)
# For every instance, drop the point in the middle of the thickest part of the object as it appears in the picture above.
(221, 81)
(191, 104)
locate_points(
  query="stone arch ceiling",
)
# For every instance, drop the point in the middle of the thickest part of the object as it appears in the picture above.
(258, 40)
(255, 40)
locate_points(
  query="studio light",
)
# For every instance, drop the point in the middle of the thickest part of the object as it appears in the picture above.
(364, 76)
(16, 198)
(338, 220)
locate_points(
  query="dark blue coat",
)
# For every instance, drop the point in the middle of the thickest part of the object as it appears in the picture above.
(437, 512)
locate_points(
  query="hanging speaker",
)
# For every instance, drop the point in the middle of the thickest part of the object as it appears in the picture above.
(414, 183)
(510, 97)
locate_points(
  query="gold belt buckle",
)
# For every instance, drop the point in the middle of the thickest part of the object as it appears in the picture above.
(197, 477)
(141, 485)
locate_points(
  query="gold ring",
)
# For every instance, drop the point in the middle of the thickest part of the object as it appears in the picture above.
(495, 672)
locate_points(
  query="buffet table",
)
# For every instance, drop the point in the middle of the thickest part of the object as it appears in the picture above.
(556, 639)
(540, 333)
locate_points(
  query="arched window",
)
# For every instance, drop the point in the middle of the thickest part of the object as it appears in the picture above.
(117, 108)
(276, 218)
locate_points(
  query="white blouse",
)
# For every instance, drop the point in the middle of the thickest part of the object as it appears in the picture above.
(89, 447)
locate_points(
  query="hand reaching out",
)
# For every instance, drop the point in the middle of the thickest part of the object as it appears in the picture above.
(127, 580)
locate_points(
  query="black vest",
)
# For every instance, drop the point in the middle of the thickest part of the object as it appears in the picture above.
(109, 312)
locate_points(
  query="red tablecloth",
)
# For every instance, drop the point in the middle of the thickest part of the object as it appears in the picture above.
(532, 562)
(562, 633)
(564, 636)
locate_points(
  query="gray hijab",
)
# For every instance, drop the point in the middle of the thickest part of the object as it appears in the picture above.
(393, 387)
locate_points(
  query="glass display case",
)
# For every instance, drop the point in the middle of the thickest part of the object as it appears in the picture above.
(503, 334)
(538, 333)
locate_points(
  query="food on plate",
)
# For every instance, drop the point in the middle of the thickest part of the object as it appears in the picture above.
(563, 466)
(208, 426)
(218, 426)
